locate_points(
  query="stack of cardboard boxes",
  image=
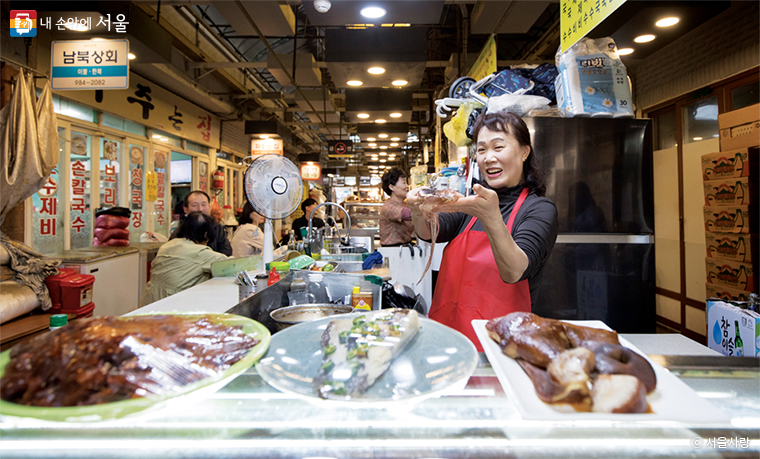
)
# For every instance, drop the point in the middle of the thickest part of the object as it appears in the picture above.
(731, 206)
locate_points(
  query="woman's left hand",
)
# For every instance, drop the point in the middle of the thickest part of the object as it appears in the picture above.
(483, 205)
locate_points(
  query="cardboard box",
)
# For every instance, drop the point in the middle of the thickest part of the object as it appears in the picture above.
(740, 128)
(734, 274)
(735, 247)
(725, 322)
(728, 219)
(727, 164)
(725, 293)
(736, 191)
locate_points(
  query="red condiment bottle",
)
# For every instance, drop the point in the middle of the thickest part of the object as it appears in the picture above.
(273, 277)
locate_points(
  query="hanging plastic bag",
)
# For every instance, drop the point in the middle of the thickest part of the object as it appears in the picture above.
(517, 104)
(456, 129)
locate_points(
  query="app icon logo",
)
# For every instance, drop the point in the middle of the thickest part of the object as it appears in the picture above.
(23, 23)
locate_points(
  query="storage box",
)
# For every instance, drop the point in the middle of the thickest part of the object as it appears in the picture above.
(726, 164)
(726, 322)
(736, 191)
(76, 292)
(728, 219)
(54, 284)
(740, 128)
(725, 293)
(735, 247)
(85, 311)
(732, 274)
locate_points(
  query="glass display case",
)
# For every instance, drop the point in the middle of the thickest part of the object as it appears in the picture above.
(365, 215)
(248, 418)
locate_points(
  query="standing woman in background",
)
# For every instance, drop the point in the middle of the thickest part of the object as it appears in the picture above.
(499, 237)
(395, 216)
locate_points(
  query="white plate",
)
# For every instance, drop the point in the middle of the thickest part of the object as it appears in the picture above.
(438, 360)
(672, 400)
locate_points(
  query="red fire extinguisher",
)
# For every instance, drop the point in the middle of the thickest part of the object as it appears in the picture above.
(217, 180)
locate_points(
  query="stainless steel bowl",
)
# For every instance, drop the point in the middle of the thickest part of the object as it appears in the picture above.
(292, 315)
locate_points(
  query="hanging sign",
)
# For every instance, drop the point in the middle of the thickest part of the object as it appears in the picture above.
(266, 147)
(340, 147)
(486, 62)
(311, 171)
(579, 17)
(88, 64)
(151, 186)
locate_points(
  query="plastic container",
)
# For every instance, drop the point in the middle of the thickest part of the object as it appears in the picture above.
(282, 267)
(54, 284)
(361, 300)
(58, 321)
(273, 277)
(318, 288)
(76, 291)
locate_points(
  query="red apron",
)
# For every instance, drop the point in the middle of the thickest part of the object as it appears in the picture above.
(469, 285)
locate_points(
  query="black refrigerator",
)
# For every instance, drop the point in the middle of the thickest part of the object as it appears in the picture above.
(599, 175)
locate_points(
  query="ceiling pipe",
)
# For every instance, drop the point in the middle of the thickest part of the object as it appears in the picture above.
(264, 40)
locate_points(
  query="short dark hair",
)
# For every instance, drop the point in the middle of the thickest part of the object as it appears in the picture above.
(512, 124)
(245, 217)
(390, 177)
(187, 197)
(306, 203)
(197, 227)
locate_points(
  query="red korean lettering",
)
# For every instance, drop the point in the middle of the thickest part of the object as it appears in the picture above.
(110, 196)
(77, 187)
(137, 198)
(77, 205)
(136, 219)
(136, 177)
(77, 169)
(160, 219)
(49, 206)
(110, 174)
(47, 227)
(78, 224)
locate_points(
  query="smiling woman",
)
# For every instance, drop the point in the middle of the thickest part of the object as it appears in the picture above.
(499, 237)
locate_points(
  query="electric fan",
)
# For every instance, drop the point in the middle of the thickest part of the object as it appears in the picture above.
(274, 188)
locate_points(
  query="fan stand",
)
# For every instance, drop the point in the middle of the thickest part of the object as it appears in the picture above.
(267, 253)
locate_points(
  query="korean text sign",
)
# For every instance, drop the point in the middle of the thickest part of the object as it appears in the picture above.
(579, 17)
(88, 64)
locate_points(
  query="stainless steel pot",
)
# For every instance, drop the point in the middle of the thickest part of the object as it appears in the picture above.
(292, 315)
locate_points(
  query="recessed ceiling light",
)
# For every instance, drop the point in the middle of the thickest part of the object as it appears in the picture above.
(396, 115)
(667, 22)
(394, 144)
(395, 139)
(264, 136)
(330, 175)
(644, 38)
(374, 148)
(399, 83)
(372, 12)
(383, 136)
(380, 121)
(97, 39)
(382, 153)
(382, 160)
(376, 70)
(384, 147)
(363, 115)
(354, 83)
(697, 138)
(76, 26)
(372, 144)
(371, 139)
(156, 136)
(131, 56)
(624, 51)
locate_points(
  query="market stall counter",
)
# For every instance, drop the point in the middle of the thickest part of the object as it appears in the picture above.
(482, 418)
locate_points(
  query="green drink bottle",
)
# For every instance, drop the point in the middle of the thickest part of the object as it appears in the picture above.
(738, 343)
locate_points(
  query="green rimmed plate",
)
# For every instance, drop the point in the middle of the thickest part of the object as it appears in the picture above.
(126, 407)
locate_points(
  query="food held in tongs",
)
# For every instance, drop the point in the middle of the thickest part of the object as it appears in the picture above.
(433, 199)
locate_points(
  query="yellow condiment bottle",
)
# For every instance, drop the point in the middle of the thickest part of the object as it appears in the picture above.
(361, 300)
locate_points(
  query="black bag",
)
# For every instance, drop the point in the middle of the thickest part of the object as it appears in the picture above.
(391, 300)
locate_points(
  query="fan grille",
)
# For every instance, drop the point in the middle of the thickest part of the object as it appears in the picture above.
(273, 186)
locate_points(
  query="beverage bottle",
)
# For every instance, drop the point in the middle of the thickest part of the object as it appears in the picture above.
(738, 343)
(317, 287)
(58, 320)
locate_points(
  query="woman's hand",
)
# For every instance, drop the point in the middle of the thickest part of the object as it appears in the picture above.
(413, 200)
(483, 205)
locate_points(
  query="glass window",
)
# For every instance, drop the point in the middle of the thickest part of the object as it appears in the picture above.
(164, 137)
(745, 96)
(109, 172)
(665, 130)
(46, 217)
(124, 125)
(196, 147)
(136, 177)
(700, 120)
(81, 176)
(161, 166)
(203, 176)
(221, 196)
(74, 110)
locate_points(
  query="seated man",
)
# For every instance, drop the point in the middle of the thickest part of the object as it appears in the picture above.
(307, 206)
(199, 201)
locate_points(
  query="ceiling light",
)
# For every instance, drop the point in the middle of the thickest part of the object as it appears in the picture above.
(97, 39)
(330, 175)
(371, 139)
(644, 38)
(156, 136)
(264, 136)
(376, 70)
(354, 83)
(697, 138)
(384, 147)
(131, 56)
(392, 157)
(363, 115)
(374, 148)
(382, 153)
(624, 51)
(394, 144)
(372, 12)
(383, 136)
(399, 83)
(372, 144)
(667, 22)
(395, 139)
(76, 27)
(396, 115)
(382, 160)
(323, 6)
(380, 121)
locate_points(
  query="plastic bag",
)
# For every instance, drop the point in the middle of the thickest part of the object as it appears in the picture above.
(391, 299)
(152, 237)
(518, 105)
(456, 129)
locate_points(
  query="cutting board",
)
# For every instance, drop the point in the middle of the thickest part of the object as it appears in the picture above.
(228, 268)
(383, 273)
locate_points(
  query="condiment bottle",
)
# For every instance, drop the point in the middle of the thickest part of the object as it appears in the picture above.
(273, 277)
(58, 321)
(317, 287)
(361, 300)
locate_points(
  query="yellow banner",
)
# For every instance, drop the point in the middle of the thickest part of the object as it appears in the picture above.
(151, 186)
(579, 17)
(486, 62)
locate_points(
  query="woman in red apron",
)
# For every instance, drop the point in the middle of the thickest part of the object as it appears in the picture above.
(499, 237)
